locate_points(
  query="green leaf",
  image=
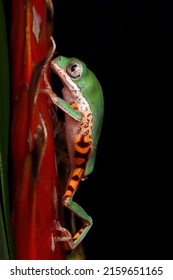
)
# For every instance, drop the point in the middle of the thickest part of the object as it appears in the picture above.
(4, 254)
(6, 243)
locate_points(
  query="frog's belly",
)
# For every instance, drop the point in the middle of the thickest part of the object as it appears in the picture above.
(79, 143)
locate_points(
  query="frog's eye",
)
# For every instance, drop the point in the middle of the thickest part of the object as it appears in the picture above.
(74, 69)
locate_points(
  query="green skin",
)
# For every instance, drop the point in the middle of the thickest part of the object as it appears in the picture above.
(80, 87)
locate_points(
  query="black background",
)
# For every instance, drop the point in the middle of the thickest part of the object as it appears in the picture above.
(130, 48)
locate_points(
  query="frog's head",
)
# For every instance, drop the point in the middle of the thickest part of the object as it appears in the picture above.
(74, 67)
(75, 74)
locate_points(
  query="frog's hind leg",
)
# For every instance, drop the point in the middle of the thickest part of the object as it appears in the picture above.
(73, 182)
(82, 152)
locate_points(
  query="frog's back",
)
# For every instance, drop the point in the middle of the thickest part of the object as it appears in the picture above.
(96, 100)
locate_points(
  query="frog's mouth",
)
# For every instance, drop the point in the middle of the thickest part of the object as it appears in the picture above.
(64, 77)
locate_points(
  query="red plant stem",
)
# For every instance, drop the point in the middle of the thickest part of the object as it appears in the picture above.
(35, 179)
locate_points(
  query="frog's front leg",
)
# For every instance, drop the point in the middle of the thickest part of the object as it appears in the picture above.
(67, 200)
(69, 109)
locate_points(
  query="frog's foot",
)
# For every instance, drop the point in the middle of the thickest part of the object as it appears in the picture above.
(64, 236)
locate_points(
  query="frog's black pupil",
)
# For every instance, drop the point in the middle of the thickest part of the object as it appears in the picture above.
(73, 68)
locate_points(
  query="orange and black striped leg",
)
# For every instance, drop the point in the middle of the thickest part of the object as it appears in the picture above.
(72, 186)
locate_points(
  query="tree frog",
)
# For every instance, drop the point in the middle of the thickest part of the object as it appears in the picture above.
(83, 105)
